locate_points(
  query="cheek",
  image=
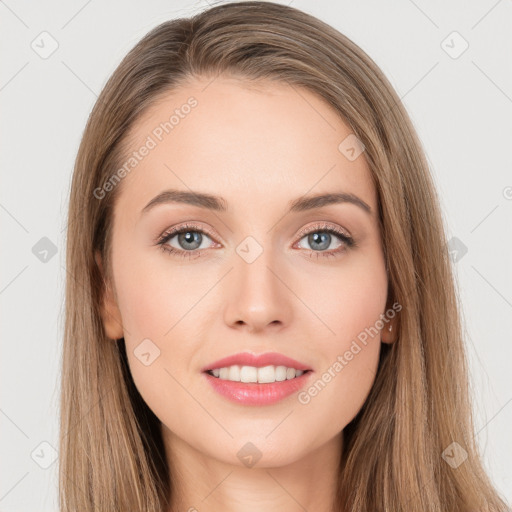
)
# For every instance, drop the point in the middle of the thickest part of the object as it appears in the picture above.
(338, 392)
(160, 305)
(154, 295)
(350, 306)
(346, 299)
(154, 313)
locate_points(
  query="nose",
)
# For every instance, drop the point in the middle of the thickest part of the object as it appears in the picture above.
(257, 295)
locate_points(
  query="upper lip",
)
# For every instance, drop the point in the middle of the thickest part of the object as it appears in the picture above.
(257, 360)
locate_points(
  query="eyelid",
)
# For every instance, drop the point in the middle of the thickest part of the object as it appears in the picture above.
(319, 226)
(168, 233)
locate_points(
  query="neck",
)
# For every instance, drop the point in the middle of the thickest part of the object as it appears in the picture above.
(202, 483)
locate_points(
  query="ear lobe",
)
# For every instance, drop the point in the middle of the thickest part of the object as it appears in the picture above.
(110, 314)
(388, 333)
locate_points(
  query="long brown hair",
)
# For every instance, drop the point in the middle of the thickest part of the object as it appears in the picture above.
(110, 442)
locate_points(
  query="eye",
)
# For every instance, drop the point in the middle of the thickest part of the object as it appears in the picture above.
(321, 237)
(188, 241)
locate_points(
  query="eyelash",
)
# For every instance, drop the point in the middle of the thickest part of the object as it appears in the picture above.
(324, 228)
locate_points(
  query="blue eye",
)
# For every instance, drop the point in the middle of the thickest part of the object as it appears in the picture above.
(190, 238)
(321, 239)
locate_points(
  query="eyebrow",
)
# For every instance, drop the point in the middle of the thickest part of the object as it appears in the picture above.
(219, 204)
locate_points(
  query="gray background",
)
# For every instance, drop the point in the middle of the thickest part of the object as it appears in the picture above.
(461, 106)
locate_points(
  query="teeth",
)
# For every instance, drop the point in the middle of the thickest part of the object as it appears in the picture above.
(264, 375)
(246, 374)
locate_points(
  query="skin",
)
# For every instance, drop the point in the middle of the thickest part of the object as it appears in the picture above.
(253, 145)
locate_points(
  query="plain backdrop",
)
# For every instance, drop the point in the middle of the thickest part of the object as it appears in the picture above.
(451, 64)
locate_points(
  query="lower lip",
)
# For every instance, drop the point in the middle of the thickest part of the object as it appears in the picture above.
(253, 393)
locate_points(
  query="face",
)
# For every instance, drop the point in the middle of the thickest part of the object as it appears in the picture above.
(260, 273)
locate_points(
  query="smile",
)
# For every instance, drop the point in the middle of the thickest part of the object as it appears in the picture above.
(247, 374)
(252, 391)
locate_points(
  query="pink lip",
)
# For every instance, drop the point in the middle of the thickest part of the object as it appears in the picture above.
(253, 393)
(257, 360)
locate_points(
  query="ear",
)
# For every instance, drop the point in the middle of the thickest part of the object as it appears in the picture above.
(110, 314)
(389, 332)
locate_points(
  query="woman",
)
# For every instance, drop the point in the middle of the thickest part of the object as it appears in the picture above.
(305, 351)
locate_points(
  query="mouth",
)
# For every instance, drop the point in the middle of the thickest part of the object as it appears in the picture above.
(257, 380)
(256, 375)
(247, 364)
(253, 386)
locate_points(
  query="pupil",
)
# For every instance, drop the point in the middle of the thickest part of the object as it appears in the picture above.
(190, 237)
(323, 239)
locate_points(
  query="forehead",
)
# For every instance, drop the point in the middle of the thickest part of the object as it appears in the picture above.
(251, 143)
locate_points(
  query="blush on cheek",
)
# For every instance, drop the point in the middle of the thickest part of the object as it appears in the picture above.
(149, 304)
(353, 356)
(353, 312)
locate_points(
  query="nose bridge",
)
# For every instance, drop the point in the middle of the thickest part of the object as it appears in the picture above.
(254, 261)
(257, 295)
